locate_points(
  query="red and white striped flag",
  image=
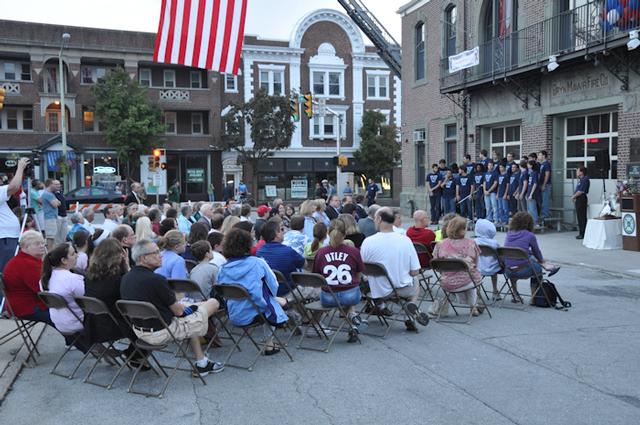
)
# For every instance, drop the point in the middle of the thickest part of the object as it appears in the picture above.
(204, 34)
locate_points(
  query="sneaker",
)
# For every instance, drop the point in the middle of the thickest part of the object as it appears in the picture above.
(136, 364)
(355, 319)
(211, 367)
(384, 311)
(353, 336)
(411, 327)
(419, 316)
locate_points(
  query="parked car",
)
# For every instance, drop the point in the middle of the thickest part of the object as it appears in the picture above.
(94, 195)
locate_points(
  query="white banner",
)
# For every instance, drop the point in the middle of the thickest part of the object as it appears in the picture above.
(629, 224)
(464, 60)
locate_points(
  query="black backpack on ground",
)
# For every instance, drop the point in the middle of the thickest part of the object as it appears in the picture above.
(548, 288)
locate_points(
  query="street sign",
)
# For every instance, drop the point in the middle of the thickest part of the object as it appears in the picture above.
(321, 108)
(299, 188)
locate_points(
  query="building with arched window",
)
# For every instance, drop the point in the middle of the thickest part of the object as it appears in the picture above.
(521, 76)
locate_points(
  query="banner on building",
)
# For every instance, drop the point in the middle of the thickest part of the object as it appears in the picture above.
(464, 60)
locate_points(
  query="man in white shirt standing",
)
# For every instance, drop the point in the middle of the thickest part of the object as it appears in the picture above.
(110, 218)
(397, 254)
(9, 224)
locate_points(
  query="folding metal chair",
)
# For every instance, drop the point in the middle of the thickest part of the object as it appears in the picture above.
(309, 263)
(133, 311)
(456, 265)
(514, 253)
(52, 300)
(379, 270)
(492, 253)
(188, 286)
(424, 280)
(23, 329)
(97, 308)
(190, 264)
(239, 293)
(315, 311)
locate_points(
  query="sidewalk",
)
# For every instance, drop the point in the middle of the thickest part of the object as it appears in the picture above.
(12, 355)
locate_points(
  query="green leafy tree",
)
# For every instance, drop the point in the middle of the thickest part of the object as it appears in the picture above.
(379, 149)
(130, 121)
(271, 128)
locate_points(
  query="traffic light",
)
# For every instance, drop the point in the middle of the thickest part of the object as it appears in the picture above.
(341, 161)
(295, 107)
(163, 166)
(157, 153)
(308, 105)
(152, 163)
(2, 93)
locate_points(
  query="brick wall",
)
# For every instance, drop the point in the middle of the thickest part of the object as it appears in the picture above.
(628, 127)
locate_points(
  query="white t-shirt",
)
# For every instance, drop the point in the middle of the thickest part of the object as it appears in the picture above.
(397, 254)
(9, 224)
(109, 225)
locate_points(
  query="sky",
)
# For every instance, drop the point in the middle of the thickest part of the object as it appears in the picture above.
(272, 19)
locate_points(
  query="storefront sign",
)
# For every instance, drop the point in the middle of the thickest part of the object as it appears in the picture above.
(10, 163)
(270, 191)
(195, 175)
(104, 170)
(464, 60)
(299, 189)
(585, 83)
(629, 224)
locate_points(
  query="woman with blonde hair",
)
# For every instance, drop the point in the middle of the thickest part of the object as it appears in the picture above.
(320, 215)
(228, 224)
(307, 208)
(341, 266)
(144, 229)
(171, 245)
(459, 247)
(352, 232)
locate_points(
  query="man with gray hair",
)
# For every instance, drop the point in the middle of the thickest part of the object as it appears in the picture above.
(142, 284)
(397, 254)
(89, 215)
(206, 211)
(366, 225)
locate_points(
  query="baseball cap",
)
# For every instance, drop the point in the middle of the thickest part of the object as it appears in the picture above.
(262, 210)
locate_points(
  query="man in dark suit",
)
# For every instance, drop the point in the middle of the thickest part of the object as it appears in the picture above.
(136, 194)
(333, 208)
(206, 213)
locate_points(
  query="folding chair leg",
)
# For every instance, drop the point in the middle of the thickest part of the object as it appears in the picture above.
(87, 379)
(67, 349)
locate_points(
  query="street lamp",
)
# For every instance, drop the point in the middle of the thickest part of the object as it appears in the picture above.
(63, 129)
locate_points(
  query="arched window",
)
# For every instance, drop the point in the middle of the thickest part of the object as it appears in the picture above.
(420, 51)
(450, 21)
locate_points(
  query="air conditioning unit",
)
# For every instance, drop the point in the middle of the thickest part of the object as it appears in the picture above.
(419, 135)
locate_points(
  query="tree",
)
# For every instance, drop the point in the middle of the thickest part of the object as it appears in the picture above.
(129, 119)
(379, 149)
(271, 127)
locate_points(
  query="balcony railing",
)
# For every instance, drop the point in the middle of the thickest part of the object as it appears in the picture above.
(175, 95)
(12, 89)
(585, 27)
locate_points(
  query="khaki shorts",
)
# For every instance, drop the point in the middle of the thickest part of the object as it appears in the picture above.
(407, 292)
(195, 324)
(51, 228)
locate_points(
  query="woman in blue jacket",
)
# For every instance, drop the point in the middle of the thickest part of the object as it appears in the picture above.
(256, 277)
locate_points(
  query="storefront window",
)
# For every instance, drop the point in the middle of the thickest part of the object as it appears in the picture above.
(101, 169)
(195, 174)
(589, 136)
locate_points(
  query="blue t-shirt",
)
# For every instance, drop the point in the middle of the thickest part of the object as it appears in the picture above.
(478, 180)
(470, 167)
(371, 190)
(433, 179)
(489, 179)
(514, 183)
(449, 189)
(544, 167)
(443, 172)
(583, 185)
(533, 179)
(524, 177)
(509, 164)
(503, 180)
(464, 183)
(50, 212)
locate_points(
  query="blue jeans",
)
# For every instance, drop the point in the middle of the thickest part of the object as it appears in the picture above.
(491, 205)
(435, 207)
(7, 251)
(39, 315)
(526, 272)
(466, 209)
(449, 205)
(503, 210)
(345, 298)
(532, 208)
(479, 200)
(546, 201)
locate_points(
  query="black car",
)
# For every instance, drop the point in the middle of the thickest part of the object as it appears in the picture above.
(94, 195)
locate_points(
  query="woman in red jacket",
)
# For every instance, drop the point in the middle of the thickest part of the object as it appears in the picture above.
(21, 278)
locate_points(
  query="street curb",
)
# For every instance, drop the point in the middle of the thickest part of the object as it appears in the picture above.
(597, 269)
(13, 369)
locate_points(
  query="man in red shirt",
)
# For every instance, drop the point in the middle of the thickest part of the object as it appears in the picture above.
(420, 233)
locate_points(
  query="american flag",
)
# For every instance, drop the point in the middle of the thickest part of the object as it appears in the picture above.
(204, 34)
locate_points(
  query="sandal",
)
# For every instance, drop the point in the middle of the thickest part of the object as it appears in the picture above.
(271, 352)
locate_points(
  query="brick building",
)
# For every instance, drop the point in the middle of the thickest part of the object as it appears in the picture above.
(326, 55)
(515, 99)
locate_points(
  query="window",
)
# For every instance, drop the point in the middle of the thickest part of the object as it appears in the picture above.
(25, 73)
(589, 136)
(377, 85)
(53, 120)
(9, 71)
(450, 20)
(27, 119)
(420, 152)
(272, 79)
(16, 119)
(88, 119)
(170, 122)
(12, 119)
(196, 123)
(196, 79)
(505, 140)
(91, 74)
(420, 57)
(230, 83)
(51, 79)
(327, 83)
(450, 143)
(326, 127)
(144, 77)
(169, 78)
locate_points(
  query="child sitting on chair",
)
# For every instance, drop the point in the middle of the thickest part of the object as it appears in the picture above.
(488, 266)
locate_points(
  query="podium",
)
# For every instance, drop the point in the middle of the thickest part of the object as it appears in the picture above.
(630, 209)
